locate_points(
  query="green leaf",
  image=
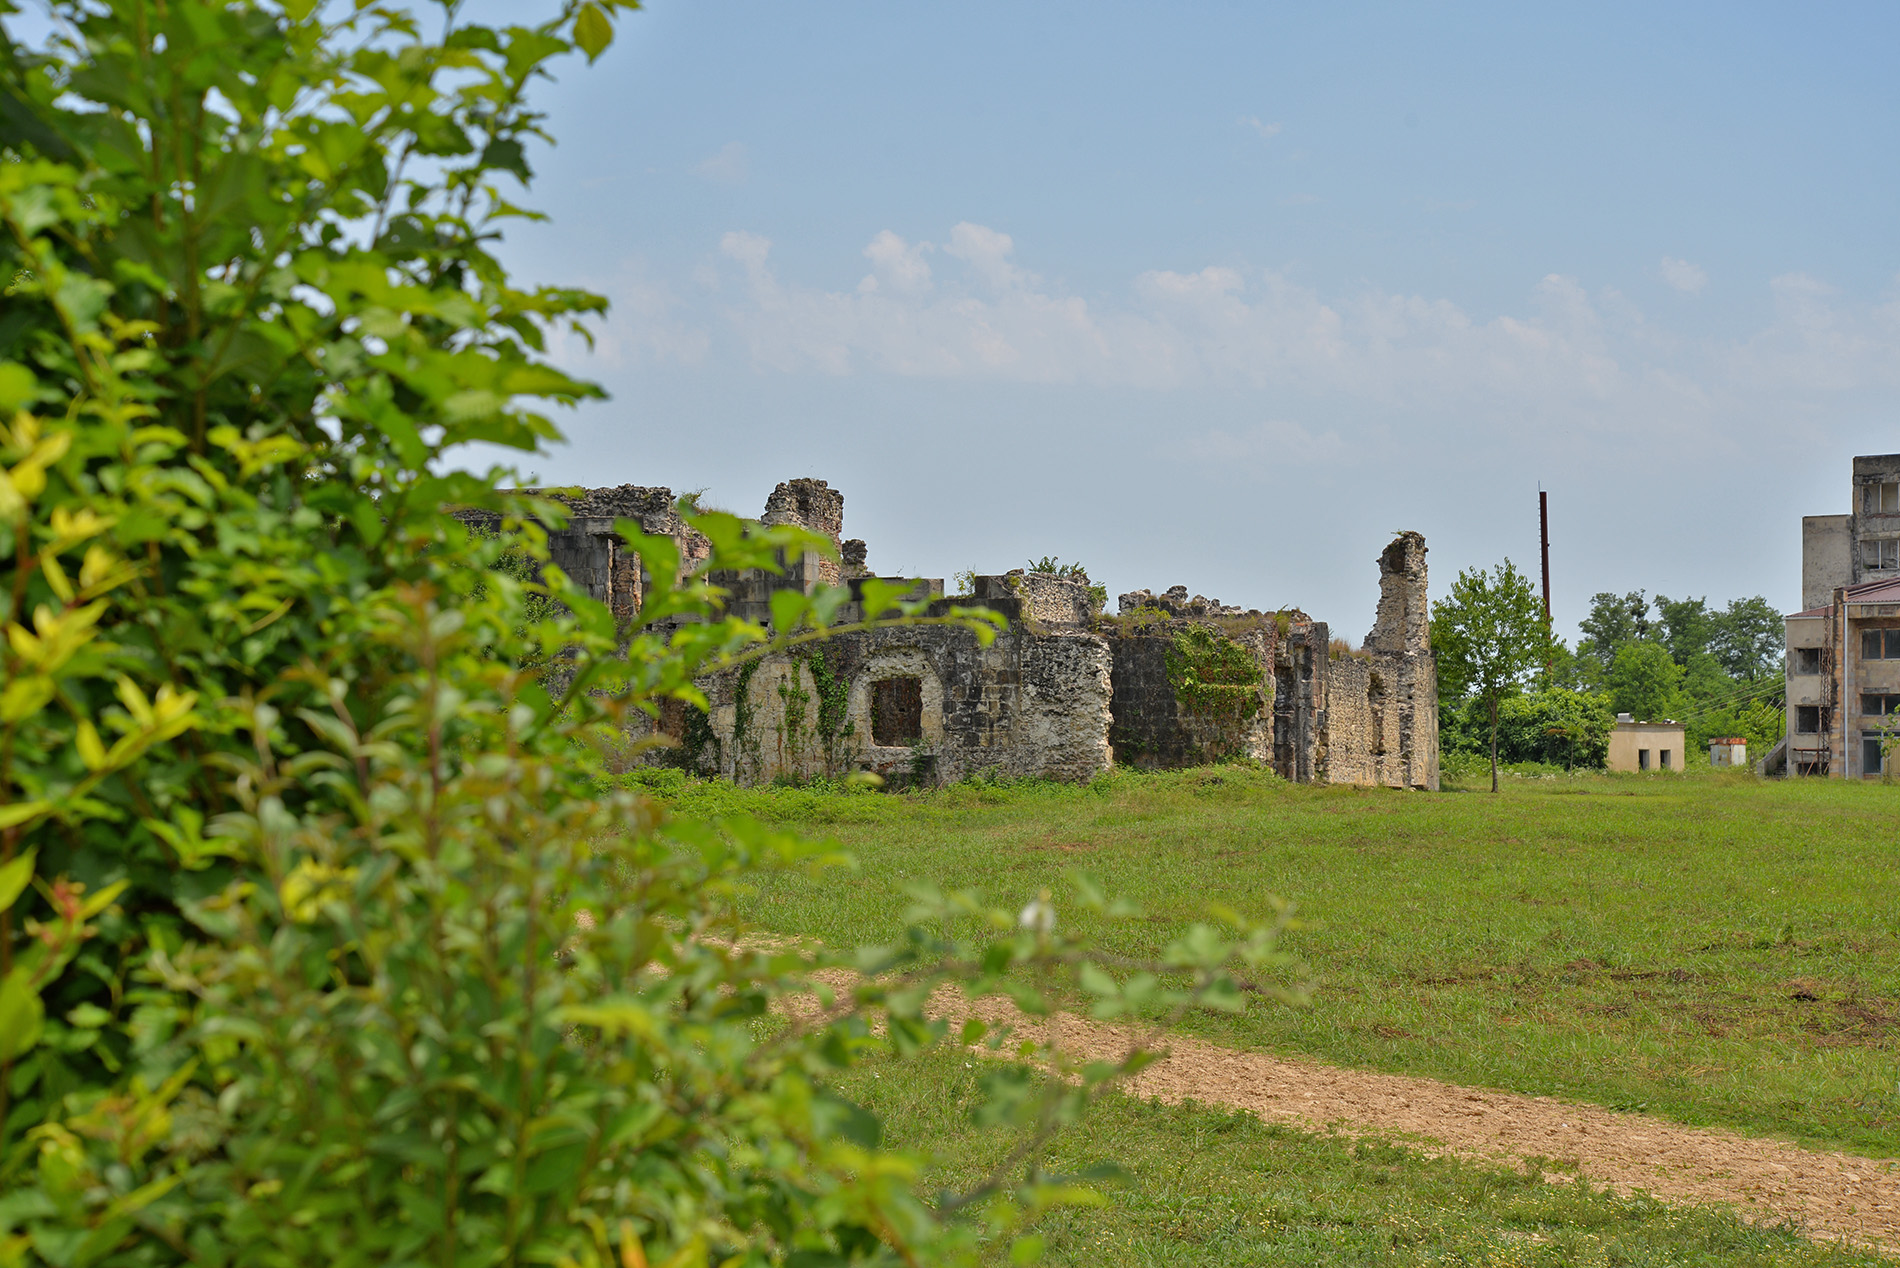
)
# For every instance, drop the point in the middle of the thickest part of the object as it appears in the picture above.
(15, 876)
(17, 386)
(21, 1015)
(21, 811)
(593, 31)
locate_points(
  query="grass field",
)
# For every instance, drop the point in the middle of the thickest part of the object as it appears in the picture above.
(1714, 949)
(1206, 1187)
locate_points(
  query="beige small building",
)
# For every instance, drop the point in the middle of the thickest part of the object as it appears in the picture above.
(1730, 750)
(1645, 746)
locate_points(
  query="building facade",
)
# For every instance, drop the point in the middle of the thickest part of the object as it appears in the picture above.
(1645, 746)
(1843, 647)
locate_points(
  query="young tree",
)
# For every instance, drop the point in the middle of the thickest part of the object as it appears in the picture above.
(1489, 635)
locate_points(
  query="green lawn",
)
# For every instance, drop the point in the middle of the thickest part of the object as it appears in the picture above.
(1710, 948)
(1207, 1187)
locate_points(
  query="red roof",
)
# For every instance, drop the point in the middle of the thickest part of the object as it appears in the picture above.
(1875, 591)
(1886, 590)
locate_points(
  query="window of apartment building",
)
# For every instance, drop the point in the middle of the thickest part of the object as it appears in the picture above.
(1807, 719)
(1880, 644)
(1883, 499)
(1807, 660)
(1881, 554)
(1870, 753)
(1878, 706)
(1642, 759)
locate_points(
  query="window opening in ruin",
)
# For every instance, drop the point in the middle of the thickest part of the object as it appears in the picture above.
(1879, 705)
(1882, 555)
(1884, 499)
(1807, 719)
(1665, 759)
(1880, 644)
(897, 711)
(1807, 660)
(1375, 705)
(1642, 759)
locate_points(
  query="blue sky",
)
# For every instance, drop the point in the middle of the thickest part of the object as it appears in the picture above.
(1222, 295)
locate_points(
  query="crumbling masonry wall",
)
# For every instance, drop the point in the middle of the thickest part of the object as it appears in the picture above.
(1382, 700)
(1064, 692)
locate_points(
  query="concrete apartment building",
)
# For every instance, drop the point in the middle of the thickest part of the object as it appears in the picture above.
(1843, 661)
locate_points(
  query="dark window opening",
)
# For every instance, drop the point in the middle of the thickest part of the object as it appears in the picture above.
(1665, 759)
(897, 711)
(1807, 660)
(1879, 706)
(1870, 755)
(1375, 705)
(1807, 719)
(673, 718)
(1642, 759)
(1880, 644)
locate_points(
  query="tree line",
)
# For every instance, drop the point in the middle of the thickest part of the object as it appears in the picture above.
(1510, 688)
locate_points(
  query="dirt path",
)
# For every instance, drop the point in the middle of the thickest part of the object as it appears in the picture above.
(1828, 1194)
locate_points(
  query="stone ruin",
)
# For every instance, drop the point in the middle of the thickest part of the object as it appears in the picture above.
(1065, 692)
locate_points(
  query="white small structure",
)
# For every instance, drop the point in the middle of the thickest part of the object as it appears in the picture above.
(1730, 750)
(1645, 746)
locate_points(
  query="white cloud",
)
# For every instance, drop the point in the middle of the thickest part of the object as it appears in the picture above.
(644, 326)
(1569, 361)
(896, 266)
(1683, 275)
(1272, 443)
(729, 166)
(1267, 131)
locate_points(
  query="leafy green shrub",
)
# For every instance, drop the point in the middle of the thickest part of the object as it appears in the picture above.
(1554, 727)
(325, 935)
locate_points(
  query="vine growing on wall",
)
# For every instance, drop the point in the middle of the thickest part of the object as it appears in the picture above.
(834, 698)
(744, 743)
(1213, 676)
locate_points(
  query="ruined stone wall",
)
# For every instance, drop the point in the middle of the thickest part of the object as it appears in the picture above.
(1029, 704)
(1382, 702)
(1301, 736)
(813, 505)
(1153, 724)
(1062, 693)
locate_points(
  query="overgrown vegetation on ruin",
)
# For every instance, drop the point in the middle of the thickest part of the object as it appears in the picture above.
(1214, 677)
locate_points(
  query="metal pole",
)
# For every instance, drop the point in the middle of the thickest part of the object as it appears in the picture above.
(1543, 536)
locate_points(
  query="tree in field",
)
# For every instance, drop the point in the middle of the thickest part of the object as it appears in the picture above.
(1646, 682)
(1687, 627)
(1613, 621)
(328, 935)
(1489, 635)
(1748, 638)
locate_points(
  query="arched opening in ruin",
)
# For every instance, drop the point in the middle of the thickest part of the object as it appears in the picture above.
(897, 711)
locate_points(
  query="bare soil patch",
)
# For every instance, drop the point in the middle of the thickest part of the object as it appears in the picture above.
(1828, 1194)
